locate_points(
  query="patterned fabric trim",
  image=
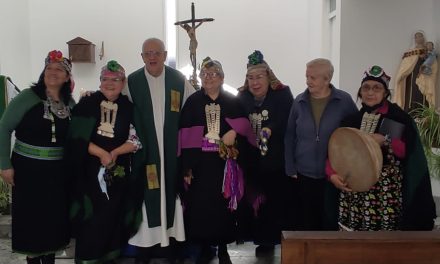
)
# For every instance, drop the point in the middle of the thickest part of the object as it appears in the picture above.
(37, 152)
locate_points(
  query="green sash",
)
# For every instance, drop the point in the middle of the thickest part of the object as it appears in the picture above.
(149, 154)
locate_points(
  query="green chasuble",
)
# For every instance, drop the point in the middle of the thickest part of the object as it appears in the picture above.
(147, 163)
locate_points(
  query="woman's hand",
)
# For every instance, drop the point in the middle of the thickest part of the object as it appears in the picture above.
(188, 177)
(8, 176)
(229, 137)
(127, 147)
(106, 158)
(114, 155)
(379, 138)
(339, 183)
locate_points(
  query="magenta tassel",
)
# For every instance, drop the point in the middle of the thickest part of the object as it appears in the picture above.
(233, 187)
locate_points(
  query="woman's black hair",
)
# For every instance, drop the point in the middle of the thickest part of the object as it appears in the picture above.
(40, 89)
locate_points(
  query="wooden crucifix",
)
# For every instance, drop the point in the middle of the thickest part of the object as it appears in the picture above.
(190, 26)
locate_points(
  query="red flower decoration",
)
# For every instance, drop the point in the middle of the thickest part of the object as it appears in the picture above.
(55, 56)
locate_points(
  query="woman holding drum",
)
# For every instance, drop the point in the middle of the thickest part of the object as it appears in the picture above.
(389, 193)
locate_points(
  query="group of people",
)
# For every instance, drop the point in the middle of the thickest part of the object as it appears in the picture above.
(147, 162)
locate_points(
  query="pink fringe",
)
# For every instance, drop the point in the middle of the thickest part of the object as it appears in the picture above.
(233, 183)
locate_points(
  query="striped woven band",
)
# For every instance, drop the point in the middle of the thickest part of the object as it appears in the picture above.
(37, 152)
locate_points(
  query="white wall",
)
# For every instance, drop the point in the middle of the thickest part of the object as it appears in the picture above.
(123, 26)
(378, 32)
(289, 33)
(278, 28)
(14, 41)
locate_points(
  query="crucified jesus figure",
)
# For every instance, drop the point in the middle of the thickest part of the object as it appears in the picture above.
(190, 27)
(192, 41)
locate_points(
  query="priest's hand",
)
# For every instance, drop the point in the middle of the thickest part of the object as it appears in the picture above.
(339, 183)
(8, 176)
(229, 137)
(188, 177)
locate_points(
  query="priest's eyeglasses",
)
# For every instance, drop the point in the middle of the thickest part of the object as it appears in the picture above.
(152, 53)
(209, 74)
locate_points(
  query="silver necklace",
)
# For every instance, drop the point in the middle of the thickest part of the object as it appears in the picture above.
(212, 112)
(58, 108)
(369, 122)
(109, 111)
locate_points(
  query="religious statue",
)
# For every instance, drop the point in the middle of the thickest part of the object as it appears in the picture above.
(431, 56)
(190, 27)
(192, 41)
(414, 86)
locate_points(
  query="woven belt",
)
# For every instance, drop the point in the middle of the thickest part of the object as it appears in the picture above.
(37, 152)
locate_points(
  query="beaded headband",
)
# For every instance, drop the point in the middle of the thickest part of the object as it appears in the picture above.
(57, 56)
(113, 68)
(376, 73)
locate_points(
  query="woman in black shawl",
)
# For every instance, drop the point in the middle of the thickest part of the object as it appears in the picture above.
(214, 133)
(402, 198)
(101, 139)
(267, 103)
(40, 117)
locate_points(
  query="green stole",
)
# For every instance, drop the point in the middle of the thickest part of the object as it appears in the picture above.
(149, 154)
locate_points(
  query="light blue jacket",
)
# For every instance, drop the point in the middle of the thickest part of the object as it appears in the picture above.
(306, 144)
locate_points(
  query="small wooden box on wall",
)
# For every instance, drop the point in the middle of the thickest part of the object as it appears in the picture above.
(81, 50)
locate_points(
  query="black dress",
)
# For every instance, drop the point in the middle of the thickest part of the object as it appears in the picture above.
(402, 198)
(40, 202)
(267, 178)
(208, 220)
(98, 219)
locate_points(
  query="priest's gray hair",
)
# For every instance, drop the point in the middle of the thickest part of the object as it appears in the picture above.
(159, 41)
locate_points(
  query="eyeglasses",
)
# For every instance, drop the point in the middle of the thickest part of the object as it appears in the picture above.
(106, 79)
(209, 74)
(152, 53)
(256, 77)
(375, 88)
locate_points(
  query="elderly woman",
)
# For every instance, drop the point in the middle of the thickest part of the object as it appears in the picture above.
(314, 115)
(40, 118)
(214, 133)
(101, 138)
(267, 103)
(402, 198)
